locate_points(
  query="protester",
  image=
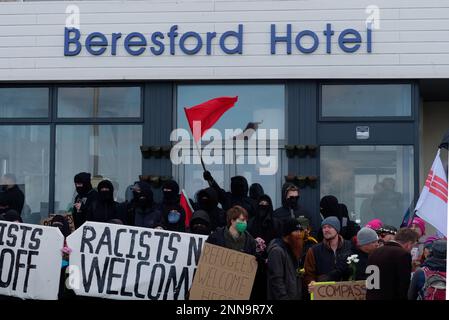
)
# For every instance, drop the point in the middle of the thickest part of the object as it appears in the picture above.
(207, 200)
(12, 216)
(291, 208)
(11, 197)
(263, 225)
(395, 266)
(84, 200)
(429, 281)
(256, 191)
(173, 215)
(238, 195)
(374, 224)
(234, 235)
(419, 225)
(349, 228)
(200, 223)
(61, 222)
(367, 242)
(284, 254)
(386, 233)
(105, 208)
(321, 258)
(142, 209)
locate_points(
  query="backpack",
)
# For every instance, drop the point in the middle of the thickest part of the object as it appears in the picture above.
(434, 285)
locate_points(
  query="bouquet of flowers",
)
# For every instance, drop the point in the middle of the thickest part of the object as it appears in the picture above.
(352, 262)
(260, 245)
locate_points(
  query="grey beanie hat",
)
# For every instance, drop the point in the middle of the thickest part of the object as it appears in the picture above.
(366, 236)
(333, 222)
(439, 249)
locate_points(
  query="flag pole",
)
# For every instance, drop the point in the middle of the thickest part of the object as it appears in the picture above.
(199, 153)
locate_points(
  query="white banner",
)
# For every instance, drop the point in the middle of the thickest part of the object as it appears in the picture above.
(130, 263)
(30, 260)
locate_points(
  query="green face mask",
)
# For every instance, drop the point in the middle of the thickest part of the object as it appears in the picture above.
(241, 226)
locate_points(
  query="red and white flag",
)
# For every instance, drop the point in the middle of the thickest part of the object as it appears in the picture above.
(432, 203)
(185, 204)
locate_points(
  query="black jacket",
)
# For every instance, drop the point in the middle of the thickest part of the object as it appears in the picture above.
(284, 281)
(105, 208)
(395, 267)
(207, 200)
(283, 213)
(88, 201)
(218, 238)
(263, 225)
(343, 271)
(12, 199)
(237, 196)
(321, 260)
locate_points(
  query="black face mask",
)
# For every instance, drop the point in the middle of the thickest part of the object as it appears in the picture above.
(82, 190)
(200, 229)
(263, 211)
(292, 202)
(170, 197)
(106, 196)
(207, 204)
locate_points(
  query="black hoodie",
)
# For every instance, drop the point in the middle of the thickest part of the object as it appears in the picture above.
(200, 217)
(87, 196)
(285, 212)
(170, 202)
(105, 208)
(263, 225)
(237, 196)
(207, 200)
(144, 212)
(11, 199)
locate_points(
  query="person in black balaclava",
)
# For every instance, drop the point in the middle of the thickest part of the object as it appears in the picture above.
(60, 222)
(292, 209)
(238, 195)
(145, 213)
(105, 208)
(85, 199)
(200, 223)
(207, 200)
(173, 215)
(263, 225)
(256, 191)
(11, 197)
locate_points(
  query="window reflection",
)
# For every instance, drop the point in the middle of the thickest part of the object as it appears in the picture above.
(24, 102)
(101, 102)
(24, 155)
(110, 151)
(375, 100)
(373, 181)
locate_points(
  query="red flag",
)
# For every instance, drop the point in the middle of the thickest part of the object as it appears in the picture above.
(207, 113)
(185, 204)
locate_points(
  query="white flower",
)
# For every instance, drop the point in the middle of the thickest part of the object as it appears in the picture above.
(356, 260)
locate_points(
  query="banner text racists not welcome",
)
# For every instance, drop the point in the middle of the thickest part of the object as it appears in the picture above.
(122, 262)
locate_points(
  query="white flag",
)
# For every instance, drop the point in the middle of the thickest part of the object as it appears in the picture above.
(432, 203)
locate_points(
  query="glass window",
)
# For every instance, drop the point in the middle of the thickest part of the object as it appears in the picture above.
(99, 102)
(110, 151)
(256, 103)
(24, 156)
(24, 102)
(372, 100)
(373, 181)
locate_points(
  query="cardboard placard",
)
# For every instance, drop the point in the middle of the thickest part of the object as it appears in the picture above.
(345, 290)
(223, 274)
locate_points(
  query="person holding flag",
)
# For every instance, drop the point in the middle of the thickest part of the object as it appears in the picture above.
(432, 203)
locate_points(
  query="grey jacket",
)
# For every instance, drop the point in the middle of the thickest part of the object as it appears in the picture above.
(284, 282)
